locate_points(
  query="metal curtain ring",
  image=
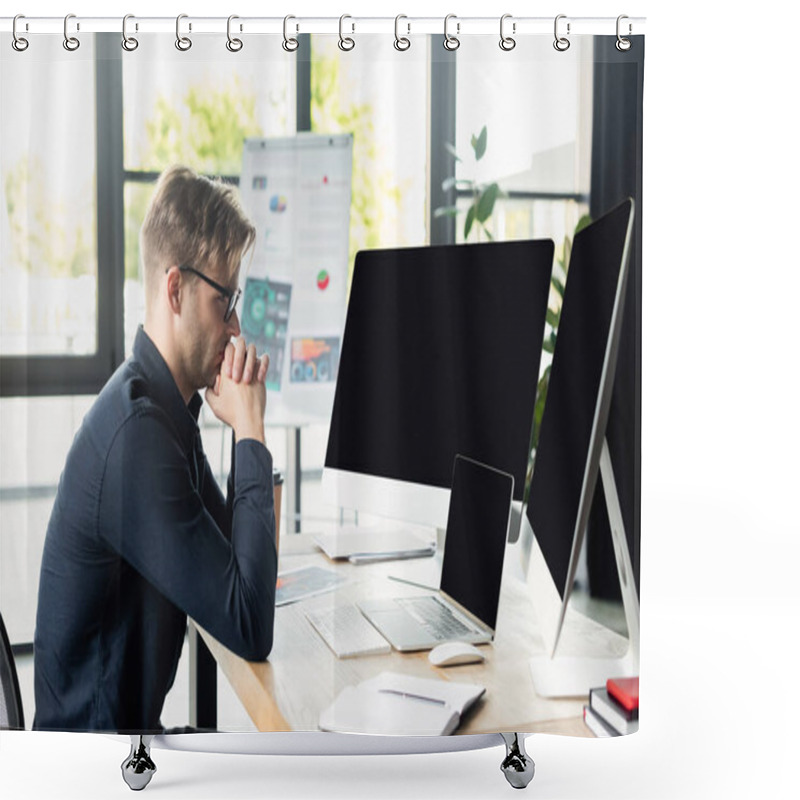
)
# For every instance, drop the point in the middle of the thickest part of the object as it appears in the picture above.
(129, 43)
(290, 44)
(561, 43)
(345, 42)
(70, 42)
(183, 43)
(506, 42)
(19, 43)
(622, 44)
(233, 44)
(451, 42)
(401, 43)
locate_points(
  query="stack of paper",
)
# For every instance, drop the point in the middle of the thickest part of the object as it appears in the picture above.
(393, 704)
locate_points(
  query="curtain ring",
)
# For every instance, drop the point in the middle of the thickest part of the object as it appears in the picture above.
(19, 43)
(622, 44)
(506, 42)
(183, 43)
(234, 45)
(345, 42)
(451, 42)
(70, 42)
(290, 44)
(561, 43)
(129, 43)
(401, 43)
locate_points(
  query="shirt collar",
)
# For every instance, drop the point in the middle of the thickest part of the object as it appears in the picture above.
(164, 390)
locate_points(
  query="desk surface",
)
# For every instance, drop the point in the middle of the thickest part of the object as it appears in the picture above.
(302, 676)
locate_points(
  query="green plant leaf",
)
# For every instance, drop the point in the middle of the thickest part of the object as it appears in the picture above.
(452, 150)
(479, 144)
(448, 183)
(445, 211)
(486, 202)
(469, 220)
(488, 233)
(552, 318)
(583, 222)
(557, 285)
(549, 345)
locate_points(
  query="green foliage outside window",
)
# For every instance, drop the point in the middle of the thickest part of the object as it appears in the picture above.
(373, 189)
(206, 132)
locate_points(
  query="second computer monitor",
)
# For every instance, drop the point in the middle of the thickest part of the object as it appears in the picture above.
(440, 356)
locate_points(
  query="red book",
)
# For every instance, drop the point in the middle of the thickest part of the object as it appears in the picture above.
(625, 691)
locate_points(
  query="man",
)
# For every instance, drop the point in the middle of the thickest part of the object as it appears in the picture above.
(140, 534)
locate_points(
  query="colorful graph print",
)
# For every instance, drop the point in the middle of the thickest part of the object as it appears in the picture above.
(314, 360)
(277, 203)
(265, 322)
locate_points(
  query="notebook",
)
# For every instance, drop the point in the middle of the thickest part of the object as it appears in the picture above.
(465, 607)
(393, 704)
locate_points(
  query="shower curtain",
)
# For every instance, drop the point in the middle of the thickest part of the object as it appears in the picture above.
(337, 145)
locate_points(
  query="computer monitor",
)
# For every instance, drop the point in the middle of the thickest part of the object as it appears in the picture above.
(571, 452)
(440, 356)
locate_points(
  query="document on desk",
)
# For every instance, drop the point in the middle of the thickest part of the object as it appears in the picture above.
(297, 584)
(365, 545)
(394, 704)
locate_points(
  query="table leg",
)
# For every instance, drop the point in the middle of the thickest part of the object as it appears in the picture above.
(202, 683)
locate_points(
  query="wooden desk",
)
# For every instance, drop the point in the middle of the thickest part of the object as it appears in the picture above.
(302, 676)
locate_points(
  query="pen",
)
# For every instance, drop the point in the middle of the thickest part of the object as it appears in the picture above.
(413, 583)
(410, 696)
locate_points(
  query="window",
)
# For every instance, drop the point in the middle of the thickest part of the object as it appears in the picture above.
(50, 313)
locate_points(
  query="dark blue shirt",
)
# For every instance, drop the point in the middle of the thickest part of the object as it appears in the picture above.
(139, 537)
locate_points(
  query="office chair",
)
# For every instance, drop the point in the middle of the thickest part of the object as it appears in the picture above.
(11, 717)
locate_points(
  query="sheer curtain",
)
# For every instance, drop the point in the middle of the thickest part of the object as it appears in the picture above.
(471, 147)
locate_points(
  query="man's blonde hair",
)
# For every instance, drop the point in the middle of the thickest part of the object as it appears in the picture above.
(194, 221)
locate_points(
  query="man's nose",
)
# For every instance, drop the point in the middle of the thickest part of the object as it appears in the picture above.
(233, 324)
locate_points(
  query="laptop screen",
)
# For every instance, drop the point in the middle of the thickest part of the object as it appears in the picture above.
(477, 524)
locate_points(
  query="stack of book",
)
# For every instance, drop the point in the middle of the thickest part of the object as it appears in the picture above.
(613, 710)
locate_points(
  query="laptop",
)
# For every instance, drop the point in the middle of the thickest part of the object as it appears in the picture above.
(465, 607)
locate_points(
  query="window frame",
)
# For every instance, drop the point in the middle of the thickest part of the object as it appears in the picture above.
(53, 375)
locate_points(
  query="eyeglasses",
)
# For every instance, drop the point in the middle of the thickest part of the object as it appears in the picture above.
(232, 297)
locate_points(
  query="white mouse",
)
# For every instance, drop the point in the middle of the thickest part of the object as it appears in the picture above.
(450, 654)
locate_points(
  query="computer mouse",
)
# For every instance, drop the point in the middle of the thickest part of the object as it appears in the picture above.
(450, 654)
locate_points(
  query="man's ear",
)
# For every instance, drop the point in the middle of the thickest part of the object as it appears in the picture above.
(174, 289)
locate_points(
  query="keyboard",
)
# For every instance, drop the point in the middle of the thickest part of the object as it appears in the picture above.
(347, 632)
(436, 617)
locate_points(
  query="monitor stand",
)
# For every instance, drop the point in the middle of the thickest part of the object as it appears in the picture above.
(573, 676)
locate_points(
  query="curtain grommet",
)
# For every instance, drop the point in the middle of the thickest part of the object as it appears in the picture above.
(183, 43)
(450, 42)
(507, 43)
(129, 43)
(561, 43)
(401, 43)
(346, 43)
(19, 43)
(233, 44)
(290, 43)
(71, 43)
(622, 44)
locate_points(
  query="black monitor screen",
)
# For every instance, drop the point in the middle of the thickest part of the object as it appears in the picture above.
(565, 436)
(440, 356)
(477, 522)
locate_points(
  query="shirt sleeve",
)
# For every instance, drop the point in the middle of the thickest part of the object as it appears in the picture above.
(152, 514)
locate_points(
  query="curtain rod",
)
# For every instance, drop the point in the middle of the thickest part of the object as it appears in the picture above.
(405, 25)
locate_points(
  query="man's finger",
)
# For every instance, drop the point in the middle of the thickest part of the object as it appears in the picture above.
(238, 359)
(263, 368)
(228, 362)
(249, 364)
